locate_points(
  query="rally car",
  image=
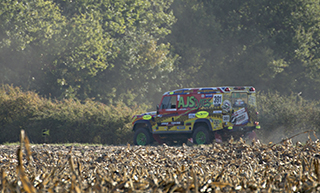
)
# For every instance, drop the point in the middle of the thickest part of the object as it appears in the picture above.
(200, 115)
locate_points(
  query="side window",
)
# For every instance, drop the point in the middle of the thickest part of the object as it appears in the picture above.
(169, 102)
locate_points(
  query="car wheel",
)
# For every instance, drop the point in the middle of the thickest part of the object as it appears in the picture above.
(142, 137)
(201, 135)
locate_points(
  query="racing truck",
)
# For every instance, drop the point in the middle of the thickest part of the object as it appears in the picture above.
(199, 115)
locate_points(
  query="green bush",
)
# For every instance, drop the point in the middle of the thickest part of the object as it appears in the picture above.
(67, 121)
(288, 115)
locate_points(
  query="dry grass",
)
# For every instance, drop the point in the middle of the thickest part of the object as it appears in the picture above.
(232, 167)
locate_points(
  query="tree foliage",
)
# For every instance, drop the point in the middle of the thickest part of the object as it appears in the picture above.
(270, 44)
(113, 50)
(96, 49)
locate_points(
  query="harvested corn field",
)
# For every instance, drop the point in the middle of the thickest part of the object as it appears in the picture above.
(231, 167)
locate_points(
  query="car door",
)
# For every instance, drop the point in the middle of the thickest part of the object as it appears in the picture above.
(166, 114)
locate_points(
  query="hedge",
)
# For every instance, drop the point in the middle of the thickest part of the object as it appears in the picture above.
(67, 120)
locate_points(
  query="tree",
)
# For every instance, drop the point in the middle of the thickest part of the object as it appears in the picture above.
(26, 29)
(234, 42)
(87, 48)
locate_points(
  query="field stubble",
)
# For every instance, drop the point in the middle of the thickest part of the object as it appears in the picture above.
(231, 167)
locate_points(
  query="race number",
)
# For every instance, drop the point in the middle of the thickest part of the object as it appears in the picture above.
(217, 99)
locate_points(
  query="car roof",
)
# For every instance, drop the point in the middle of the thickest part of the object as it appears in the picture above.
(207, 90)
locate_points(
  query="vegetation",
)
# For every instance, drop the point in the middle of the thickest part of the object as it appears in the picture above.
(73, 121)
(268, 43)
(122, 53)
(107, 50)
(68, 120)
(290, 114)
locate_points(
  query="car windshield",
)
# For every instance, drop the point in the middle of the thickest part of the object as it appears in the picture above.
(239, 99)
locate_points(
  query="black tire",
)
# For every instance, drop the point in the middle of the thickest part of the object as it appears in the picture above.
(201, 135)
(142, 137)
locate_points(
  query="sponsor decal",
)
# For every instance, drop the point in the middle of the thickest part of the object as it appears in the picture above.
(170, 123)
(182, 92)
(225, 118)
(193, 102)
(147, 117)
(208, 95)
(217, 99)
(207, 91)
(216, 112)
(239, 102)
(191, 115)
(181, 127)
(226, 106)
(216, 123)
(240, 117)
(240, 111)
(202, 114)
